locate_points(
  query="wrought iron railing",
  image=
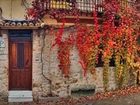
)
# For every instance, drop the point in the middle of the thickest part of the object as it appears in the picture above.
(82, 5)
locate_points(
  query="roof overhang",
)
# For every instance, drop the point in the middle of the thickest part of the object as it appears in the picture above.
(10, 24)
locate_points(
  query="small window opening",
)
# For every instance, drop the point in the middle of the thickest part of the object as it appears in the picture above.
(82, 92)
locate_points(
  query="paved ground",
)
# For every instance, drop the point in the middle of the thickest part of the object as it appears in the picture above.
(133, 99)
(123, 100)
(127, 96)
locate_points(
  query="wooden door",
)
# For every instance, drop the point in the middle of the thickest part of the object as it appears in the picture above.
(20, 63)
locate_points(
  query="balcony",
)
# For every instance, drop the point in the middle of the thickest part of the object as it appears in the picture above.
(71, 9)
(85, 7)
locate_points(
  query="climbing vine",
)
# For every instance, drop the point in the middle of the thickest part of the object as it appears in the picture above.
(64, 55)
(87, 45)
(116, 35)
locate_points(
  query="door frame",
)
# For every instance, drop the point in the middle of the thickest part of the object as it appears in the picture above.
(23, 31)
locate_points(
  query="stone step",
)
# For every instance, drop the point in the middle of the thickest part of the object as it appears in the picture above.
(20, 96)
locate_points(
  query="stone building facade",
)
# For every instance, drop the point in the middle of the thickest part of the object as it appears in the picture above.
(61, 86)
(47, 78)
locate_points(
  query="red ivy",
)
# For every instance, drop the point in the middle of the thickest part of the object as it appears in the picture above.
(106, 37)
(64, 56)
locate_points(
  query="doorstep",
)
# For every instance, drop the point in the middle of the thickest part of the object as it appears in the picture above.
(20, 96)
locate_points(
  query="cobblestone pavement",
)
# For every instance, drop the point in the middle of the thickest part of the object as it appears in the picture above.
(133, 99)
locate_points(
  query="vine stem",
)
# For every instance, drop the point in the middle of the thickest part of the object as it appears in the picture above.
(42, 66)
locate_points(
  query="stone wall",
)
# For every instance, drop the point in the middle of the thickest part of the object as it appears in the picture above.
(4, 65)
(46, 76)
(45, 67)
(45, 63)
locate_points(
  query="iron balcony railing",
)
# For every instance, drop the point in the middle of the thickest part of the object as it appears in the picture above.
(85, 7)
(82, 5)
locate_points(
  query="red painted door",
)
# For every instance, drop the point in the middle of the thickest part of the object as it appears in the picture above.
(20, 64)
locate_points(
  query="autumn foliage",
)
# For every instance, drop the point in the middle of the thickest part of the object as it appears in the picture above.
(116, 36)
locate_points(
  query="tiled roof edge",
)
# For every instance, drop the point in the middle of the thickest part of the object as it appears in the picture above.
(19, 23)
